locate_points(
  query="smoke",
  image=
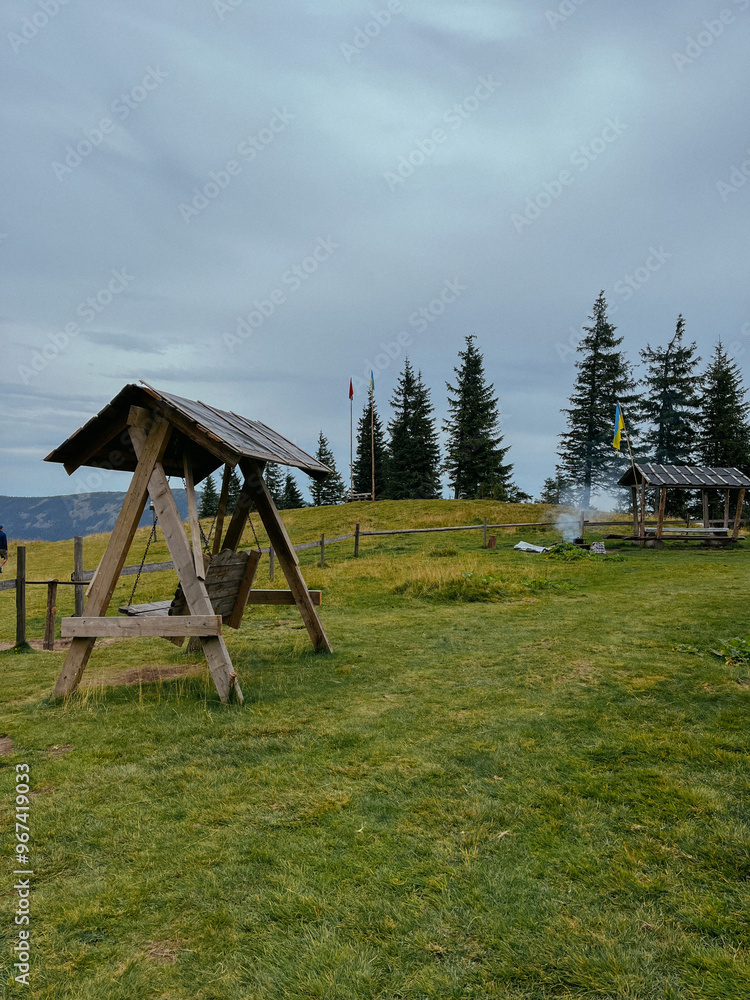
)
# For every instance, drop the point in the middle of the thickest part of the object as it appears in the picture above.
(568, 527)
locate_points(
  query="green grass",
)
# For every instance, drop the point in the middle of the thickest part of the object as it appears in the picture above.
(514, 778)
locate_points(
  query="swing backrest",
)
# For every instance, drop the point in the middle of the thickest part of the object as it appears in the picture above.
(229, 577)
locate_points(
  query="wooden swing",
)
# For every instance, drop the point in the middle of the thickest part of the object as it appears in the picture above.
(169, 435)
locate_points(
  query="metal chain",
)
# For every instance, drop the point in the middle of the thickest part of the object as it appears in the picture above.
(206, 541)
(252, 528)
(151, 538)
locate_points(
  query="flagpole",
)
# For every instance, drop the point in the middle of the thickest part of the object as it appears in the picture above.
(351, 446)
(642, 518)
(372, 437)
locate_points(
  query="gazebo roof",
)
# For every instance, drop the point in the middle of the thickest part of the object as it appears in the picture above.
(211, 437)
(686, 477)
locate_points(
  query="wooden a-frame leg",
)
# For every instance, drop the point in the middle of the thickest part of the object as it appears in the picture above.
(196, 595)
(110, 567)
(255, 488)
(221, 512)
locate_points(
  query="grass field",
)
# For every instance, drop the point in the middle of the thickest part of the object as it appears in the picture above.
(516, 777)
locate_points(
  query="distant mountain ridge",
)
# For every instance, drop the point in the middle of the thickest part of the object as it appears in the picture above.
(55, 519)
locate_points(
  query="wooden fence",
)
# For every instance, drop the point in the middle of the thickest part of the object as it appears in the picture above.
(79, 577)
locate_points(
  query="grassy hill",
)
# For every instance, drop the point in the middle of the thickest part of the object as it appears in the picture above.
(516, 777)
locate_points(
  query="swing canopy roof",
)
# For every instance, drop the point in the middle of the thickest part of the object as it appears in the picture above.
(211, 438)
(684, 477)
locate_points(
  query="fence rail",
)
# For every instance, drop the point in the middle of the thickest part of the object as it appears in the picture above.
(79, 576)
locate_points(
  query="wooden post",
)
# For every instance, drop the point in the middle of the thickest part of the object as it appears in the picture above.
(221, 512)
(643, 509)
(726, 509)
(581, 523)
(20, 595)
(634, 495)
(78, 574)
(322, 551)
(271, 561)
(662, 505)
(256, 487)
(103, 586)
(49, 625)
(704, 498)
(194, 589)
(195, 528)
(484, 534)
(738, 516)
(356, 540)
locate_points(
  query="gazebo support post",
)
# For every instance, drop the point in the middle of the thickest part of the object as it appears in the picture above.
(738, 515)
(642, 531)
(704, 498)
(103, 585)
(726, 508)
(662, 505)
(634, 495)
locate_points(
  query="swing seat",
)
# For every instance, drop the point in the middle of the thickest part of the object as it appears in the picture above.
(229, 578)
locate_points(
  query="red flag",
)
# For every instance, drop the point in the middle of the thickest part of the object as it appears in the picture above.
(351, 390)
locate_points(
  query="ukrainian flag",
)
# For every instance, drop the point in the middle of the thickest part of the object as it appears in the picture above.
(372, 381)
(619, 428)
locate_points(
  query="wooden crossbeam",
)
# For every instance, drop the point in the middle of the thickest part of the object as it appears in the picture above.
(196, 595)
(130, 628)
(281, 597)
(113, 560)
(255, 490)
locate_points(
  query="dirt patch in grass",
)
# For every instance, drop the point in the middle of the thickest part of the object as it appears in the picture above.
(163, 951)
(6, 745)
(58, 751)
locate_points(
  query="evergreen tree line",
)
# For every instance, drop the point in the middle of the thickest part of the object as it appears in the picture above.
(408, 463)
(675, 414)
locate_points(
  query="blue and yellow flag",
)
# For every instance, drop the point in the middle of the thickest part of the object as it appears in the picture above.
(372, 381)
(619, 428)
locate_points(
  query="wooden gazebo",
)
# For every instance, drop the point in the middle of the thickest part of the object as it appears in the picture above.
(154, 435)
(648, 475)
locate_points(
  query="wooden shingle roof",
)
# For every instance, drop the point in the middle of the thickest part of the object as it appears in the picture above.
(211, 436)
(684, 477)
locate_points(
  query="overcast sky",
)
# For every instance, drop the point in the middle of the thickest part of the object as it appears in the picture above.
(170, 169)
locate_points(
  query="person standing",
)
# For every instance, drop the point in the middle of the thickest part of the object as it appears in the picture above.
(3, 548)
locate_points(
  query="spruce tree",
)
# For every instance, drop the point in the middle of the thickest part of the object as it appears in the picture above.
(555, 490)
(474, 460)
(724, 434)
(274, 481)
(363, 456)
(330, 490)
(209, 499)
(414, 459)
(291, 498)
(233, 491)
(587, 459)
(671, 402)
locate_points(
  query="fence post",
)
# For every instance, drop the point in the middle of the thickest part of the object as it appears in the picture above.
(356, 540)
(271, 562)
(21, 595)
(78, 575)
(581, 523)
(484, 534)
(49, 625)
(322, 550)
